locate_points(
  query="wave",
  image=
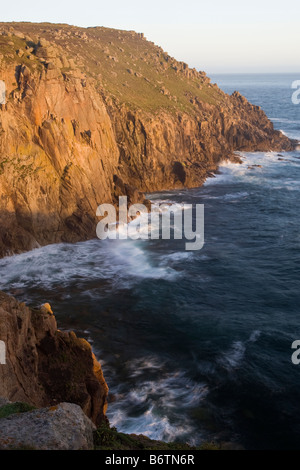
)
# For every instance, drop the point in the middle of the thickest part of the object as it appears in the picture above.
(229, 196)
(120, 261)
(157, 398)
(233, 358)
(285, 120)
(151, 425)
(257, 169)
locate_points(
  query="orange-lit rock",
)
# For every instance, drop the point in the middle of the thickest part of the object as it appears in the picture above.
(77, 128)
(45, 366)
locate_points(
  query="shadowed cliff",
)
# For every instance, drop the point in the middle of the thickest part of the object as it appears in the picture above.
(95, 113)
(45, 366)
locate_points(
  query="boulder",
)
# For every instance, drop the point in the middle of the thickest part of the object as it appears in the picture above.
(61, 427)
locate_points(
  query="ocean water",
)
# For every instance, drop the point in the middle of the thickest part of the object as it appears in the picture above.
(196, 345)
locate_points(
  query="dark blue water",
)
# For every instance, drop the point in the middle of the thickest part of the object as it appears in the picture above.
(195, 345)
(272, 92)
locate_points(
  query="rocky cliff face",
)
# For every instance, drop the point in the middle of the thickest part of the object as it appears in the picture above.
(45, 366)
(95, 113)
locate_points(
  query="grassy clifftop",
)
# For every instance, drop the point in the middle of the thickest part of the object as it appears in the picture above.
(92, 114)
(133, 70)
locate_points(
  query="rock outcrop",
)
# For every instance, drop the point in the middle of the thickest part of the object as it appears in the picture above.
(45, 366)
(61, 427)
(92, 113)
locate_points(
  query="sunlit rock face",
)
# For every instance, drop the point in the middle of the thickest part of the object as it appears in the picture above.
(95, 113)
(45, 366)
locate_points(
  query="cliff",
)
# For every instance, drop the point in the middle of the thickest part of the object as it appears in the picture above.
(45, 366)
(95, 113)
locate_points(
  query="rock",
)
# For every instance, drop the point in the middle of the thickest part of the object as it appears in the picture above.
(57, 63)
(252, 167)
(142, 133)
(4, 401)
(53, 73)
(19, 35)
(164, 91)
(45, 366)
(113, 58)
(65, 62)
(43, 42)
(72, 64)
(60, 427)
(46, 308)
(50, 65)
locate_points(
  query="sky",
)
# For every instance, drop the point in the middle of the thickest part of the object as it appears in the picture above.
(218, 36)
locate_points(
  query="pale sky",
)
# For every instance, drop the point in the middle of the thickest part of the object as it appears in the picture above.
(217, 36)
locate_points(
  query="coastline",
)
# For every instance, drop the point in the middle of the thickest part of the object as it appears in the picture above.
(169, 128)
(278, 157)
(52, 181)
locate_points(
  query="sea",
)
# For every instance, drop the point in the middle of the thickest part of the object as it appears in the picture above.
(195, 346)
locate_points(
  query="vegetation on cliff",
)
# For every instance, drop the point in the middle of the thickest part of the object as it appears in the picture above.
(108, 438)
(95, 113)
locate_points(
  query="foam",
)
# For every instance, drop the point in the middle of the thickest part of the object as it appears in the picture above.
(61, 265)
(157, 398)
(233, 358)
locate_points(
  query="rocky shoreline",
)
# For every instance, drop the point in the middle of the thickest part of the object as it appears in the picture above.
(53, 395)
(92, 114)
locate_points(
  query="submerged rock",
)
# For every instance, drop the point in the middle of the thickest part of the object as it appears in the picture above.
(252, 167)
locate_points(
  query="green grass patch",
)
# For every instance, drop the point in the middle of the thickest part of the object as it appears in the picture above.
(14, 408)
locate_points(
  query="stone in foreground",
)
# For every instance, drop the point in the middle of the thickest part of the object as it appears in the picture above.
(61, 427)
